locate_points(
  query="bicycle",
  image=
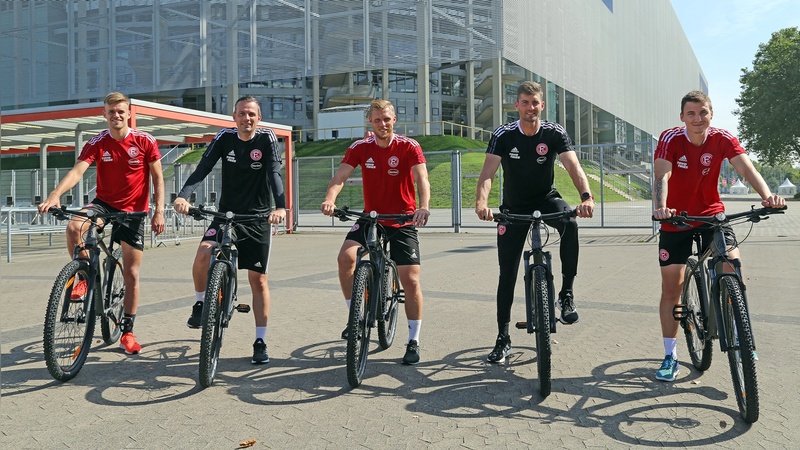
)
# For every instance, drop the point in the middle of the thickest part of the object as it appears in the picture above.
(376, 292)
(540, 316)
(220, 300)
(70, 318)
(713, 305)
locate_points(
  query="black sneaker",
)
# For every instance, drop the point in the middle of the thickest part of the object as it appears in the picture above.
(344, 332)
(412, 353)
(502, 348)
(260, 355)
(196, 319)
(569, 314)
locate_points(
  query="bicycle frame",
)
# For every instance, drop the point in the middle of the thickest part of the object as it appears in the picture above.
(226, 253)
(540, 258)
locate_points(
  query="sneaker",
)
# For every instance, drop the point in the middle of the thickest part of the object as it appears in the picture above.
(78, 290)
(345, 333)
(412, 353)
(260, 355)
(569, 314)
(196, 319)
(669, 369)
(128, 343)
(502, 347)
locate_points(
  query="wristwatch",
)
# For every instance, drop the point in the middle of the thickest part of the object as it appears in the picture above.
(586, 196)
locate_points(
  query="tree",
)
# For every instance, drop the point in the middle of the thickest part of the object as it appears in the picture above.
(769, 105)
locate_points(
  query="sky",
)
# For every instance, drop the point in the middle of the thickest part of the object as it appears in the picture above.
(725, 35)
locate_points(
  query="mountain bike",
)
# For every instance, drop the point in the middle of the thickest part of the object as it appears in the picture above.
(376, 292)
(220, 300)
(540, 316)
(713, 304)
(82, 291)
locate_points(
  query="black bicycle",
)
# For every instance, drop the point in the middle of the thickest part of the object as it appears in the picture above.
(82, 291)
(540, 316)
(713, 304)
(220, 300)
(376, 292)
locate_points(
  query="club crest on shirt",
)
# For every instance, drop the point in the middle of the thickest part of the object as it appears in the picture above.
(355, 227)
(211, 232)
(663, 254)
(394, 161)
(542, 149)
(133, 152)
(501, 230)
(706, 159)
(256, 155)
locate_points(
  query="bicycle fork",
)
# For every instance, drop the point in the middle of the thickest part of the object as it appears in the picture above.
(542, 259)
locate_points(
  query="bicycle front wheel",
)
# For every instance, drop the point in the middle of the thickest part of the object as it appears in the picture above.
(358, 329)
(694, 324)
(387, 322)
(740, 348)
(69, 321)
(113, 303)
(541, 317)
(212, 332)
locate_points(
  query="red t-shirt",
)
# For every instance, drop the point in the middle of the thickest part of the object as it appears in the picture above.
(387, 180)
(693, 184)
(123, 168)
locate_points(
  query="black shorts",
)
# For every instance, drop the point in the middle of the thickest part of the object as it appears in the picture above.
(675, 247)
(403, 242)
(252, 239)
(129, 230)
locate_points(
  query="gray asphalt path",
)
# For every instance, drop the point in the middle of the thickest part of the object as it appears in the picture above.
(604, 394)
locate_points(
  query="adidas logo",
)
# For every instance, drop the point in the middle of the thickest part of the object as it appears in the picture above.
(514, 153)
(258, 264)
(682, 158)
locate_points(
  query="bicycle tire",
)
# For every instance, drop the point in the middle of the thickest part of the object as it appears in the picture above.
(68, 325)
(358, 329)
(387, 322)
(212, 330)
(694, 325)
(740, 349)
(114, 298)
(541, 316)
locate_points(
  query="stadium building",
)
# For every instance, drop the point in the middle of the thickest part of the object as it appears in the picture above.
(613, 70)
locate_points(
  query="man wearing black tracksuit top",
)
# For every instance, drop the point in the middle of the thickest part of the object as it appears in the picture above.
(527, 150)
(251, 179)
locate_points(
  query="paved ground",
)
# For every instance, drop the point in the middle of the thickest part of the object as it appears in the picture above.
(603, 395)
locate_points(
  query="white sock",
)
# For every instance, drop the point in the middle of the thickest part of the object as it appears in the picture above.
(670, 345)
(413, 330)
(261, 333)
(347, 302)
(199, 296)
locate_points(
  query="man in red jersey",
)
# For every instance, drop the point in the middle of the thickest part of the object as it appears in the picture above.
(126, 160)
(687, 165)
(390, 167)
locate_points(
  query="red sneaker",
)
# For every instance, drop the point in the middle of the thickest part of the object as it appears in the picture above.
(128, 343)
(78, 290)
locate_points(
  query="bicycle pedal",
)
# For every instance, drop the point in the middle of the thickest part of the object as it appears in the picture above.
(243, 308)
(680, 312)
(521, 325)
(401, 296)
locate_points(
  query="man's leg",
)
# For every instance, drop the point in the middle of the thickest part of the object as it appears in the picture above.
(202, 260)
(671, 287)
(259, 284)
(131, 261)
(409, 278)
(347, 265)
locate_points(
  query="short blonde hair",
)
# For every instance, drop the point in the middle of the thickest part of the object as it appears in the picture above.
(379, 105)
(116, 97)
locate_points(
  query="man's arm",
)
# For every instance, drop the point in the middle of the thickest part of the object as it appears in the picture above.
(420, 172)
(157, 176)
(70, 179)
(490, 166)
(573, 165)
(204, 167)
(335, 187)
(662, 170)
(745, 168)
(278, 194)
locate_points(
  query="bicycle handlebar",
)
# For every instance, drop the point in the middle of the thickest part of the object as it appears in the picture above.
(753, 215)
(344, 214)
(536, 216)
(201, 213)
(63, 213)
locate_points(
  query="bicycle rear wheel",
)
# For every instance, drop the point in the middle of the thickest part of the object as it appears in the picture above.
(68, 322)
(387, 322)
(212, 332)
(113, 303)
(694, 324)
(358, 329)
(740, 348)
(541, 317)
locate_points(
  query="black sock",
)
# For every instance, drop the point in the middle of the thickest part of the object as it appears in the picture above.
(566, 284)
(502, 329)
(127, 322)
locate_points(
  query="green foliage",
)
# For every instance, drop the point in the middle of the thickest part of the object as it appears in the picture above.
(429, 144)
(60, 160)
(770, 99)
